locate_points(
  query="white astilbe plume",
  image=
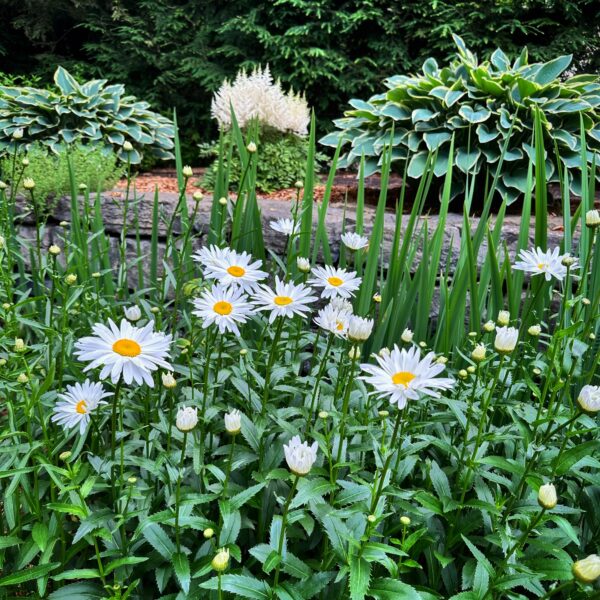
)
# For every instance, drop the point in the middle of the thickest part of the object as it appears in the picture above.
(257, 96)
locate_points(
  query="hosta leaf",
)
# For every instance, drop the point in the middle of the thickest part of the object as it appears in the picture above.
(552, 69)
(474, 116)
(65, 81)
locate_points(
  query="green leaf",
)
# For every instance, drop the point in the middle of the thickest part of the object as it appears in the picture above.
(242, 585)
(360, 574)
(65, 81)
(311, 489)
(124, 562)
(474, 116)
(77, 574)
(392, 589)
(552, 69)
(236, 502)
(6, 541)
(181, 566)
(28, 574)
(157, 537)
(574, 455)
(79, 591)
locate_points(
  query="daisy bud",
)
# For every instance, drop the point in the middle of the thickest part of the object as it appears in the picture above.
(168, 380)
(354, 353)
(82, 187)
(299, 456)
(22, 378)
(71, 279)
(422, 345)
(243, 351)
(25, 162)
(197, 196)
(17, 134)
(568, 261)
(187, 418)
(323, 414)
(536, 371)
(478, 354)
(359, 329)
(54, 250)
(65, 456)
(592, 336)
(223, 201)
(133, 313)
(472, 334)
(96, 275)
(221, 560)
(303, 264)
(20, 345)
(384, 414)
(208, 533)
(585, 301)
(470, 369)
(3, 185)
(233, 422)
(28, 183)
(547, 496)
(384, 352)
(592, 218)
(187, 171)
(441, 360)
(251, 147)
(407, 336)
(589, 399)
(489, 326)
(534, 330)
(463, 374)
(506, 339)
(64, 224)
(587, 570)
(405, 520)
(377, 297)
(372, 519)
(299, 185)
(128, 146)
(155, 310)
(2, 362)
(503, 318)
(6, 305)
(2, 242)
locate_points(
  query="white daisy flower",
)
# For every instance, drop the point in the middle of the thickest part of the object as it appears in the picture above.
(538, 262)
(335, 282)
(186, 419)
(285, 226)
(335, 318)
(237, 270)
(211, 256)
(129, 351)
(303, 264)
(225, 307)
(78, 402)
(133, 313)
(299, 456)
(403, 375)
(355, 241)
(589, 398)
(359, 329)
(287, 300)
(506, 339)
(233, 421)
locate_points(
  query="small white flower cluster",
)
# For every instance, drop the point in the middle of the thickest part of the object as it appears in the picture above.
(256, 96)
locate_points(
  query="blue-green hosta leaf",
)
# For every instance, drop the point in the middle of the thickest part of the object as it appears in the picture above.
(466, 160)
(435, 139)
(474, 116)
(500, 60)
(453, 96)
(486, 135)
(395, 111)
(417, 165)
(65, 81)
(423, 114)
(552, 69)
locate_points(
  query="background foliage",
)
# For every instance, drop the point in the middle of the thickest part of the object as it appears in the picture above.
(175, 52)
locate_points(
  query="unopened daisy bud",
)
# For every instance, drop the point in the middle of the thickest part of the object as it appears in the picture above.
(592, 336)
(299, 185)
(592, 218)
(422, 345)
(3, 185)
(64, 224)
(133, 313)
(28, 183)
(22, 378)
(405, 520)
(20, 345)
(441, 360)
(568, 261)
(359, 329)
(208, 533)
(243, 351)
(82, 187)
(384, 414)
(65, 456)
(54, 250)
(472, 334)
(407, 336)
(536, 371)
(25, 162)
(589, 399)
(587, 570)
(299, 456)
(127, 146)
(2, 362)
(168, 380)
(585, 301)
(372, 519)
(534, 330)
(197, 196)
(471, 369)
(6, 306)
(506, 339)
(2, 242)
(221, 560)
(187, 418)
(96, 275)
(478, 353)
(489, 326)
(155, 310)
(223, 201)
(377, 297)
(323, 414)
(233, 422)
(384, 352)
(71, 279)
(463, 373)
(17, 134)
(547, 496)
(251, 147)
(132, 480)
(187, 171)
(303, 264)
(503, 318)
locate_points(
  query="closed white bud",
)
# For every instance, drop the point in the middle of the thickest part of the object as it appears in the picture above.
(463, 373)
(54, 250)
(377, 297)
(354, 353)
(506, 339)
(82, 187)
(128, 146)
(187, 418)
(568, 261)
(17, 134)
(471, 369)
(208, 533)
(478, 353)
(133, 313)
(251, 147)
(28, 183)
(589, 399)
(592, 218)
(20, 345)
(25, 162)
(3, 185)
(299, 185)
(503, 318)
(359, 329)
(407, 336)
(187, 171)
(441, 360)
(587, 570)
(221, 560)
(299, 456)
(233, 422)
(197, 195)
(323, 414)
(489, 326)
(534, 330)
(303, 264)
(223, 201)
(547, 496)
(71, 279)
(405, 521)
(168, 380)
(22, 378)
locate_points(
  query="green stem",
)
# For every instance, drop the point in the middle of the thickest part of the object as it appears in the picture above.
(283, 524)
(178, 492)
(270, 362)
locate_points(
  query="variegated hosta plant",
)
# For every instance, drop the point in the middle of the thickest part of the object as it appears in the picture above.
(89, 113)
(486, 106)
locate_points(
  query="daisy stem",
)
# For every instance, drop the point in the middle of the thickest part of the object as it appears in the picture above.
(272, 354)
(178, 491)
(345, 405)
(219, 588)
(228, 471)
(284, 515)
(113, 431)
(322, 367)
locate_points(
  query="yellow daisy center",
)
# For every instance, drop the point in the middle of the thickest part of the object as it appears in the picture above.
(81, 407)
(223, 307)
(236, 271)
(126, 347)
(542, 266)
(335, 281)
(403, 378)
(340, 326)
(282, 300)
